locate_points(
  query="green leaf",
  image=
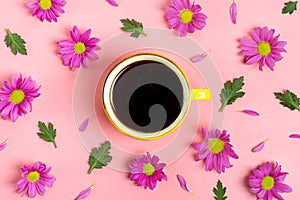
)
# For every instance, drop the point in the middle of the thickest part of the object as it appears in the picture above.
(99, 157)
(289, 7)
(132, 26)
(289, 100)
(231, 92)
(220, 191)
(47, 133)
(15, 42)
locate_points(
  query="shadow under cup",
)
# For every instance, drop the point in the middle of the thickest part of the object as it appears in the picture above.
(146, 96)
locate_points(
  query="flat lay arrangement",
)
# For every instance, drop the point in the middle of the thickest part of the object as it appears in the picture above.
(153, 99)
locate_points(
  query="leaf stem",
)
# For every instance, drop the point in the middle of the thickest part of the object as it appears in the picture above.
(90, 170)
(54, 143)
(223, 107)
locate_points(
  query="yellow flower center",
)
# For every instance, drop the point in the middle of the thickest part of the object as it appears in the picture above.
(216, 145)
(45, 4)
(79, 47)
(17, 96)
(264, 48)
(33, 176)
(148, 169)
(267, 183)
(186, 16)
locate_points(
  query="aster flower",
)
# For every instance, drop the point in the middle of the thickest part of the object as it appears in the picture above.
(47, 9)
(266, 182)
(16, 98)
(34, 179)
(76, 51)
(215, 150)
(147, 170)
(185, 17)
(264, 48)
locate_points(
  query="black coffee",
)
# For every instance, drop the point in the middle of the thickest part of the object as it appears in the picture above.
(147, 96)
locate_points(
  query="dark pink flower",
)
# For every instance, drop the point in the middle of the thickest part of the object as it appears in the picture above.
(16, 98)
(215, 150)
(34, 179)
(264, 48)
(185, 17)
(47, 9)
(267, 181)
(76, 51)
(147, 170)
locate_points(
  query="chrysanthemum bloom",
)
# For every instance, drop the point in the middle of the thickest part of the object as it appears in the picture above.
(215, 150)
(34, 179)
(147, 170)
(16, 98)
(76, 51)
(266, 182)
(184, 17)
(264, 48)
(47, 9)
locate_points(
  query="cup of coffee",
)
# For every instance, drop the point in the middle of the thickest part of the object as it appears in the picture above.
(147, 96)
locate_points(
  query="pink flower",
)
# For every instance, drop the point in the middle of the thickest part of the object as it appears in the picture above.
(264, 48)
(185, 17)
(147, 170)
(16, 98)
(76, 51)
(215, 150)
(34, 179)
(47, 9)
(267, 181)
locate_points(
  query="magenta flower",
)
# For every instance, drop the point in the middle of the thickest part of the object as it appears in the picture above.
(147, 170)
(215, 150)
(76, 51)
(47, 9)
(34, 179)
(16, 98)
(185, 17)
(264, 48)
(266, 182)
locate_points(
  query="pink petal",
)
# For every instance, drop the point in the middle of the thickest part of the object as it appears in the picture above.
(183, 183)
(259, 147)
(233, 12)
(294, 136)
(112, 2)
(84, 124)
(200, 57)
(249, 112)
(4, 144)
(85, 193)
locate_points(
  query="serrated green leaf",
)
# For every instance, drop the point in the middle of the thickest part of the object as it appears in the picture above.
(220, 191)
(132, 26)
(289, 7)
(15, 42)
(288, 99)
(100, 157)
(47, 133)
(231, 92)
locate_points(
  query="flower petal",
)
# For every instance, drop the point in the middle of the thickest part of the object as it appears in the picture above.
(200, 57)
(4, 144)
(84, 124)
(85, 193)
(259, 147)
(294, 136)
(182, 183)
(112, 2)
(233, 12)
(249, 112)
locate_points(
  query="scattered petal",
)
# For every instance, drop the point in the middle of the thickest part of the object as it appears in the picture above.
(84, 124)
(200, 57)
(259, 147)
(85, 193)
(294, 136)
(4, 144)
(249, 112)
(112, 2)
(233, 12)
(183, 184)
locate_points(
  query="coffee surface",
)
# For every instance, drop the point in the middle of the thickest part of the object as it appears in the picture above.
(147, 96)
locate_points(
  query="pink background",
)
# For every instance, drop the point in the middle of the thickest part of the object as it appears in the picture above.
(69, 160)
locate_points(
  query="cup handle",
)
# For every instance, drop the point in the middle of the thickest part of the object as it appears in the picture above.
(200, 94)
